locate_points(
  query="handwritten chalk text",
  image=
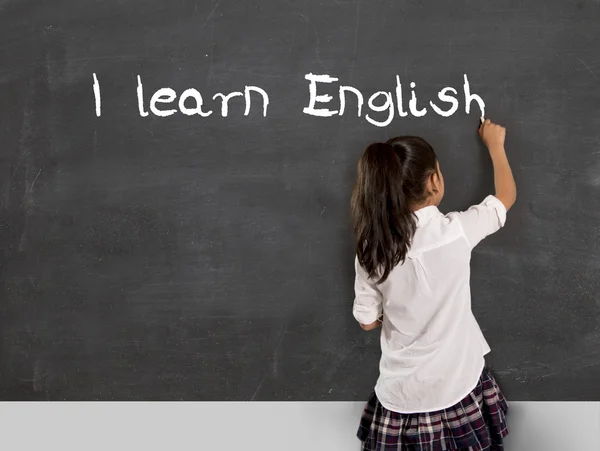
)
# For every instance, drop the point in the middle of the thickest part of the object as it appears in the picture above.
(383, 105)
(383, 101)
(168, 95)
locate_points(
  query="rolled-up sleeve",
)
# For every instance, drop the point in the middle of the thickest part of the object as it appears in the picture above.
(368, 299)
(482, 220)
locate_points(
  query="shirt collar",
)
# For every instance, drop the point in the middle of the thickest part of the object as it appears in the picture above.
(425, 214)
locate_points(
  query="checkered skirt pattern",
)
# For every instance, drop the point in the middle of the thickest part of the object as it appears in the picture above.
(477, 423)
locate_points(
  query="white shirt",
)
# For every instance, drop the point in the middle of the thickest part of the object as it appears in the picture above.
(432, 349)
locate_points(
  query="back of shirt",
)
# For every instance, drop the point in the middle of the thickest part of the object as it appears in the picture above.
(432, 347)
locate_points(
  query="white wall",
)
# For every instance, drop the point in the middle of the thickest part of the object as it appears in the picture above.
(276, 426)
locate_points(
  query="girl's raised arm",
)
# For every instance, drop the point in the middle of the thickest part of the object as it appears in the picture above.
(493, 137)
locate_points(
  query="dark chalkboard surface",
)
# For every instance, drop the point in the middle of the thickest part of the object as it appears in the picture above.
(210, 258)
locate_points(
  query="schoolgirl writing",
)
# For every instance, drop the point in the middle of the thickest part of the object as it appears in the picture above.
(412, 265)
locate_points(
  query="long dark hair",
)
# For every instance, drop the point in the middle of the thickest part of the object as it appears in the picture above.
(391, 180)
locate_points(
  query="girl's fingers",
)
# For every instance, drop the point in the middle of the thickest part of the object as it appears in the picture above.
(483, 124)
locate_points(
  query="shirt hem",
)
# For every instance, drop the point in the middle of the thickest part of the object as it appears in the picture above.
(434, 409)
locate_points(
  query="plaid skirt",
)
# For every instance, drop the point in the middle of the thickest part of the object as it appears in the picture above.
(477, 423)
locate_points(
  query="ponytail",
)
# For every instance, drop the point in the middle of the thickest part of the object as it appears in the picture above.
(391, 180)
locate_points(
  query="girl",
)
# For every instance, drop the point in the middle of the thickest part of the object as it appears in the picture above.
(434, 391)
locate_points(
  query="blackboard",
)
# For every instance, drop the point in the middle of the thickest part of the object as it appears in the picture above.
(211, 258)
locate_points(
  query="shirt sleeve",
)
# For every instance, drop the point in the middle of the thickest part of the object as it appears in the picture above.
(368, 299)
(482, 220)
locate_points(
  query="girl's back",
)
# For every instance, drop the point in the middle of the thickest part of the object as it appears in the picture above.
(432, 348)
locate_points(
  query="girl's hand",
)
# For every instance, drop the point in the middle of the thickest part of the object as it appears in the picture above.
(372, 326)
(492, 135)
